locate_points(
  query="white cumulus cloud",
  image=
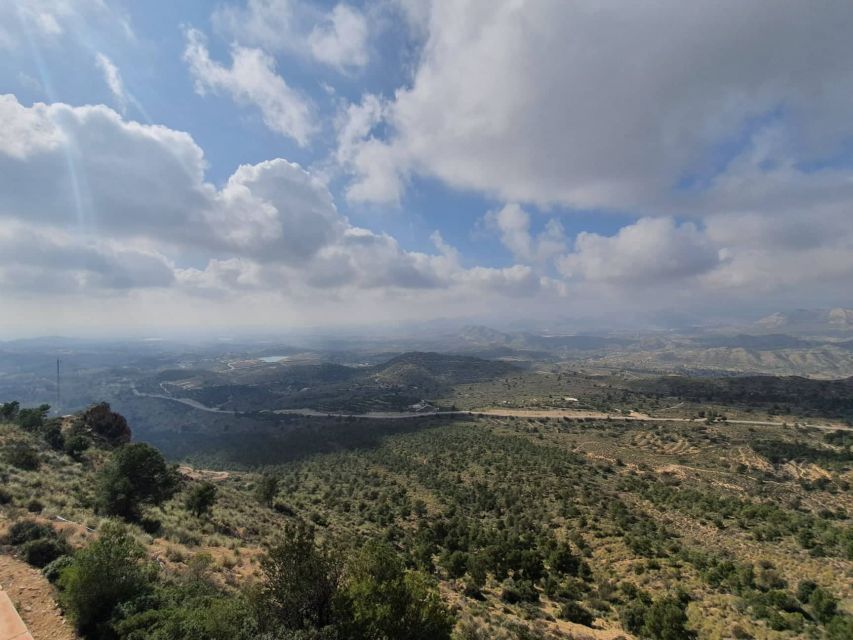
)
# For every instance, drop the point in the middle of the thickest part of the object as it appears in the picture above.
(649, 252)
(95, 203)
(252, 79)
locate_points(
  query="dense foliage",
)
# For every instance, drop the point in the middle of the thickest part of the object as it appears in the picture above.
(136, 475)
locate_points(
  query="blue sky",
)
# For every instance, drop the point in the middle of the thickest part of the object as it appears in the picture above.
(454, 159)
(231, 135)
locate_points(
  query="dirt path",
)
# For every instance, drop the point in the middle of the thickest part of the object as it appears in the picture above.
(203, 474)
(33, 597)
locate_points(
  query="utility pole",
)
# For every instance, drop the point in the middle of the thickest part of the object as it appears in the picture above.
(58, 395)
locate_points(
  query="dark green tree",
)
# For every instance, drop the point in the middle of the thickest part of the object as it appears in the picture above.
(136, 475)
(575, 612)
(9, 410)
(52, 435)
(201, 499)
(32, 419)
(267, 489)
(106, 424)
(823, 604)
(387, 603)
(563, 561)
(108, 572)
(300, 583)
(666, 619)
(75, 445)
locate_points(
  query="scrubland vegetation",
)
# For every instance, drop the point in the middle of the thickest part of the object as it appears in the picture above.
(472, 528)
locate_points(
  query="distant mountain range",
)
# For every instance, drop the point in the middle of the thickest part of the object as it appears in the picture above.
(484, 336)
(808, 320)
(817, 342)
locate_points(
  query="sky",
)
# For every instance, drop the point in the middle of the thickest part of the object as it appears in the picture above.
(286, 164)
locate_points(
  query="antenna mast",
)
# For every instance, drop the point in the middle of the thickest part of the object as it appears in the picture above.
(58, 396)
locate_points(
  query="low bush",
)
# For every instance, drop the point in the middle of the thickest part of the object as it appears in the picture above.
(25, 531)
(22, 456)
(574, 612)
(54, 568)
(39, 553)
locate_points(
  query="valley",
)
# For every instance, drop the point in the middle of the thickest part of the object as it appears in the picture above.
(541, 496)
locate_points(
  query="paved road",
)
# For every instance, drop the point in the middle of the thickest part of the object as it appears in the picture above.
(498, 413)
(186, 401)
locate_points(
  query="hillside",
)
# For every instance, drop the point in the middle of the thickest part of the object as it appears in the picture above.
(534, 528)
(392, 385)
(434, 369)
(785, 395)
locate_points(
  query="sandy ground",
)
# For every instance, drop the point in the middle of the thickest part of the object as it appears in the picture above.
(34, 599)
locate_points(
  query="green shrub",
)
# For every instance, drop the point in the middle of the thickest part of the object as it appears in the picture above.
(32, 419)
(136, 475)
(193, 611)
(151, 526)
(564, 562)
(107, 424)
(574, 612)
(805, 588)
(201, 499)
(666, 620)
(54, 569)
(515, 591)
(24, 531)
(9, 410)
(823, 605)
(633, 615)
(52, 435)
(35, 506)
(75, 446)
(300, 582)
(840, 628)
(455, 563)
(39, 553)
(267, 489)
(22, 456)
(107, 573)
(385, 601)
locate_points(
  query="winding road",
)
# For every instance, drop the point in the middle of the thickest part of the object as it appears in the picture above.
(498, 413)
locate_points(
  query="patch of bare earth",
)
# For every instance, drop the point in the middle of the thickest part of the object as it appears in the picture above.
(33, 597)
(808, 471)
(203, 474)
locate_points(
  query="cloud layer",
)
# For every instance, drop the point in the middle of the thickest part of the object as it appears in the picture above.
(712, 165)
(586, 104)
(109, 204)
